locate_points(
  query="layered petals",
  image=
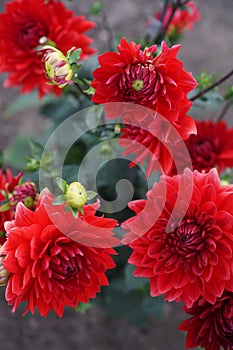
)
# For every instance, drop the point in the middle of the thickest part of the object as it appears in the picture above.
(182, 237)
(47, 268)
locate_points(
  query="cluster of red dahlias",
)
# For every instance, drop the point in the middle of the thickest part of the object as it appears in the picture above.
(181, 236)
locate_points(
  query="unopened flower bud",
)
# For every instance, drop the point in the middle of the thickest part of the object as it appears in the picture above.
(25, 193)
(76, 195)
(56, 66)
(4, 275)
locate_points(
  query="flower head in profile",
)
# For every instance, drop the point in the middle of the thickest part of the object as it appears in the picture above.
(187, 251)
(49, 256)
(183, 19)
(132, 75)
(211, 325)
(23, 25)
(56, 66)
(212, 146)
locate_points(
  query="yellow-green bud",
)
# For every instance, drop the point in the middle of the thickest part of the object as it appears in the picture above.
(76, 195)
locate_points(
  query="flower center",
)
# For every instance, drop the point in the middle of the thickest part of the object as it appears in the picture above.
(64, 269)
(187, 238)
(139, 82)
(137, 85)
(31, 34)
(203, 153)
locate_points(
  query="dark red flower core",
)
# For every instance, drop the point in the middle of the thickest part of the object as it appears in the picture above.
(30, 34)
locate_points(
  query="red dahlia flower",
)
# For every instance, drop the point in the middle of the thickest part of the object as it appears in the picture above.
(211, 326)
(183, 19)
(184, 244)
(22, 26)
(132, 75)
(49, 270)
(212, 146)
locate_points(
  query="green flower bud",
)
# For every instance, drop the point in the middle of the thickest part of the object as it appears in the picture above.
(76, 195)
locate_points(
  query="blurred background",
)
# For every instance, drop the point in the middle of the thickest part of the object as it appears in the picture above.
(209, 48)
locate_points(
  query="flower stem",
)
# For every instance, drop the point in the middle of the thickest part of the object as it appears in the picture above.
(218, 82)
(82, 91)
(162, 32)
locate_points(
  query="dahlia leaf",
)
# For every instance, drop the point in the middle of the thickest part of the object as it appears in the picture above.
(4, 207)
(59, 200)
(61, 184)
(91, 195)
(75, 212)
(83, 307)
(36, 149)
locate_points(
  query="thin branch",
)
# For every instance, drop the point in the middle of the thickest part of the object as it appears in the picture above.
(218, 82)
(171, 16)
(161, 34)
(82, 91)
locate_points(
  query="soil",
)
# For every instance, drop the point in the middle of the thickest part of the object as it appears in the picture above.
(208, 48)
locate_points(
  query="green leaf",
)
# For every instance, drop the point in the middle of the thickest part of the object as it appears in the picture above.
(15, 154)
(4, 207)
(61, 184)
(4, 193)
(83, 307)
(74, 212)
(73, 56)
(96, 8)
(59, 200)
(91, 195)
(36, 149)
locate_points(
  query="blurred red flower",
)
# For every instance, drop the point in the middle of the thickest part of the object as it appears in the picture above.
(47, 268)
(183, 18)
(211, 326)
(7, 183)
(212, 146)
(184, 245)
(22, 26)
(133, 75)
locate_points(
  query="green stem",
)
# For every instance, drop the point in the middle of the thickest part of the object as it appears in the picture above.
(212, 86)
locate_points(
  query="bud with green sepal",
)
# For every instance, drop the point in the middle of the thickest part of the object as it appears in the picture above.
(74, 195)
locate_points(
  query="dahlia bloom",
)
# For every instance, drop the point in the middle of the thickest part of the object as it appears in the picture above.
(182, 237)
(211, 147)
(132, 75)
(183, 19)
(47, 268)
(23, 25)
(211, 326)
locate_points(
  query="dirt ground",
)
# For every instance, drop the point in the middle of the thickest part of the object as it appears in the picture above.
(209, 47)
